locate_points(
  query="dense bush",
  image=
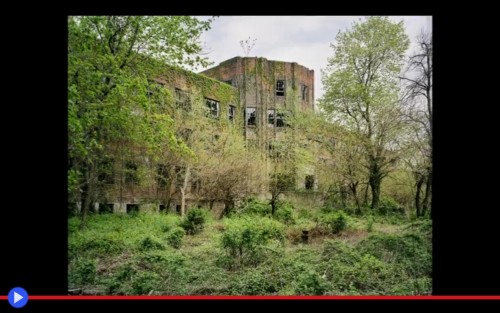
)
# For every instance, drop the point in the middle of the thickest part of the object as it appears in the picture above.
(310, 283)
(83, 272)
(389, 206)
(194, 221)
(149, 243)
(244, 239)
(256, 207)
(174, 237)
(335, 222)
(284, 213)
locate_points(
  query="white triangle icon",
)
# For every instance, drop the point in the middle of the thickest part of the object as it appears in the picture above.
(17, 297)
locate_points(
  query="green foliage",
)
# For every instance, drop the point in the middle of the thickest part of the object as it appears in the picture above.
(149, 243)
(389, 206)
(310, 283)
(244, 240)
(285, 213)
(194, 221)
(84, 272)
(369, 226)
(336, 222)
(174, 237)
(410, 251)
(256, 206)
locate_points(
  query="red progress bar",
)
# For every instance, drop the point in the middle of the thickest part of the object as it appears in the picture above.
(260, 298)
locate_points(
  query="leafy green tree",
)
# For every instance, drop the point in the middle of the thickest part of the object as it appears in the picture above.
(110, 60)
(361, 93)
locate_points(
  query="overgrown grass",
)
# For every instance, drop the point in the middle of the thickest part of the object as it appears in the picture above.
(250, 253)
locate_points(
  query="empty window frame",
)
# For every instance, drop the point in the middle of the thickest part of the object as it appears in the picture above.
(229, 82)
(309, 183)
(250, 116)
(132, 208)
(131, 176)
(231, 113)
(213, 107)
(271, 115)
(280, 87)
(305, 93)
(182, 99)
(280, 119)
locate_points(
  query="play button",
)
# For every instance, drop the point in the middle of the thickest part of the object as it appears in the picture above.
(18, 297)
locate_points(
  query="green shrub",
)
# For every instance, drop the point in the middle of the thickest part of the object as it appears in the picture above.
(174, 237)
(284, 213)
(84, 272)
(194, 221)
(256, 207)
(389, 206)
(244, 240)
(369, 226)
(409, 251)
(336, 222)
(149, 243)
(310, 283)
(144, 283)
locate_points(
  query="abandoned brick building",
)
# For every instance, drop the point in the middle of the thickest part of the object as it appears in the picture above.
(262, 93)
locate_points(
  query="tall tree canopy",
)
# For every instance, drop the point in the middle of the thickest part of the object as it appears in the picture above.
(361, 90)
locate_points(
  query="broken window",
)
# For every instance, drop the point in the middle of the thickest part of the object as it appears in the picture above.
(163, 208)
(182, 99)
(132, 208)
(229, 82)
(162, 175)
(250, 116)
(280, 119)
(304, 93)
(213, 107)
(178, 209)
(231, 113)
(105, 208)
(106, 173)
(131, 176)
(309, 182)
(280, 87)
(270, 116)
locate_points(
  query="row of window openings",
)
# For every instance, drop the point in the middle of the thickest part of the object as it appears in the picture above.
(272, 117)
(280, 90)
(184, 102)
(132, 178)
(108, 208)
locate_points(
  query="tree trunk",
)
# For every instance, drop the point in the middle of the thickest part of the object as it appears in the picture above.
(354, 190)
(375, 182)
(428, 190)
(418, 186)
(183, 192)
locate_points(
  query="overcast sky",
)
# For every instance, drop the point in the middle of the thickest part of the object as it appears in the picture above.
(302, 39)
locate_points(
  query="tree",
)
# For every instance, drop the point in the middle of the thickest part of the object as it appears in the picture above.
(418, 111)
(361, 94)
(110, 59)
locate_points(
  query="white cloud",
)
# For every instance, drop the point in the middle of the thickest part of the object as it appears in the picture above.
(302, 39)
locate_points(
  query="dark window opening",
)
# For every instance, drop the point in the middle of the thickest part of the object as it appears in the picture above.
(229, 82)
(131, 176)
(270, 116)
(162, 175)
(305, 93)
(182, 99)
(105, 208)
(250, 116)
(132, 208)
(309, 182)
(178, 209)
(280, 120)
(280, 87)
(163, 208)
(231, 113)
(106, 172)
(213, 107)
